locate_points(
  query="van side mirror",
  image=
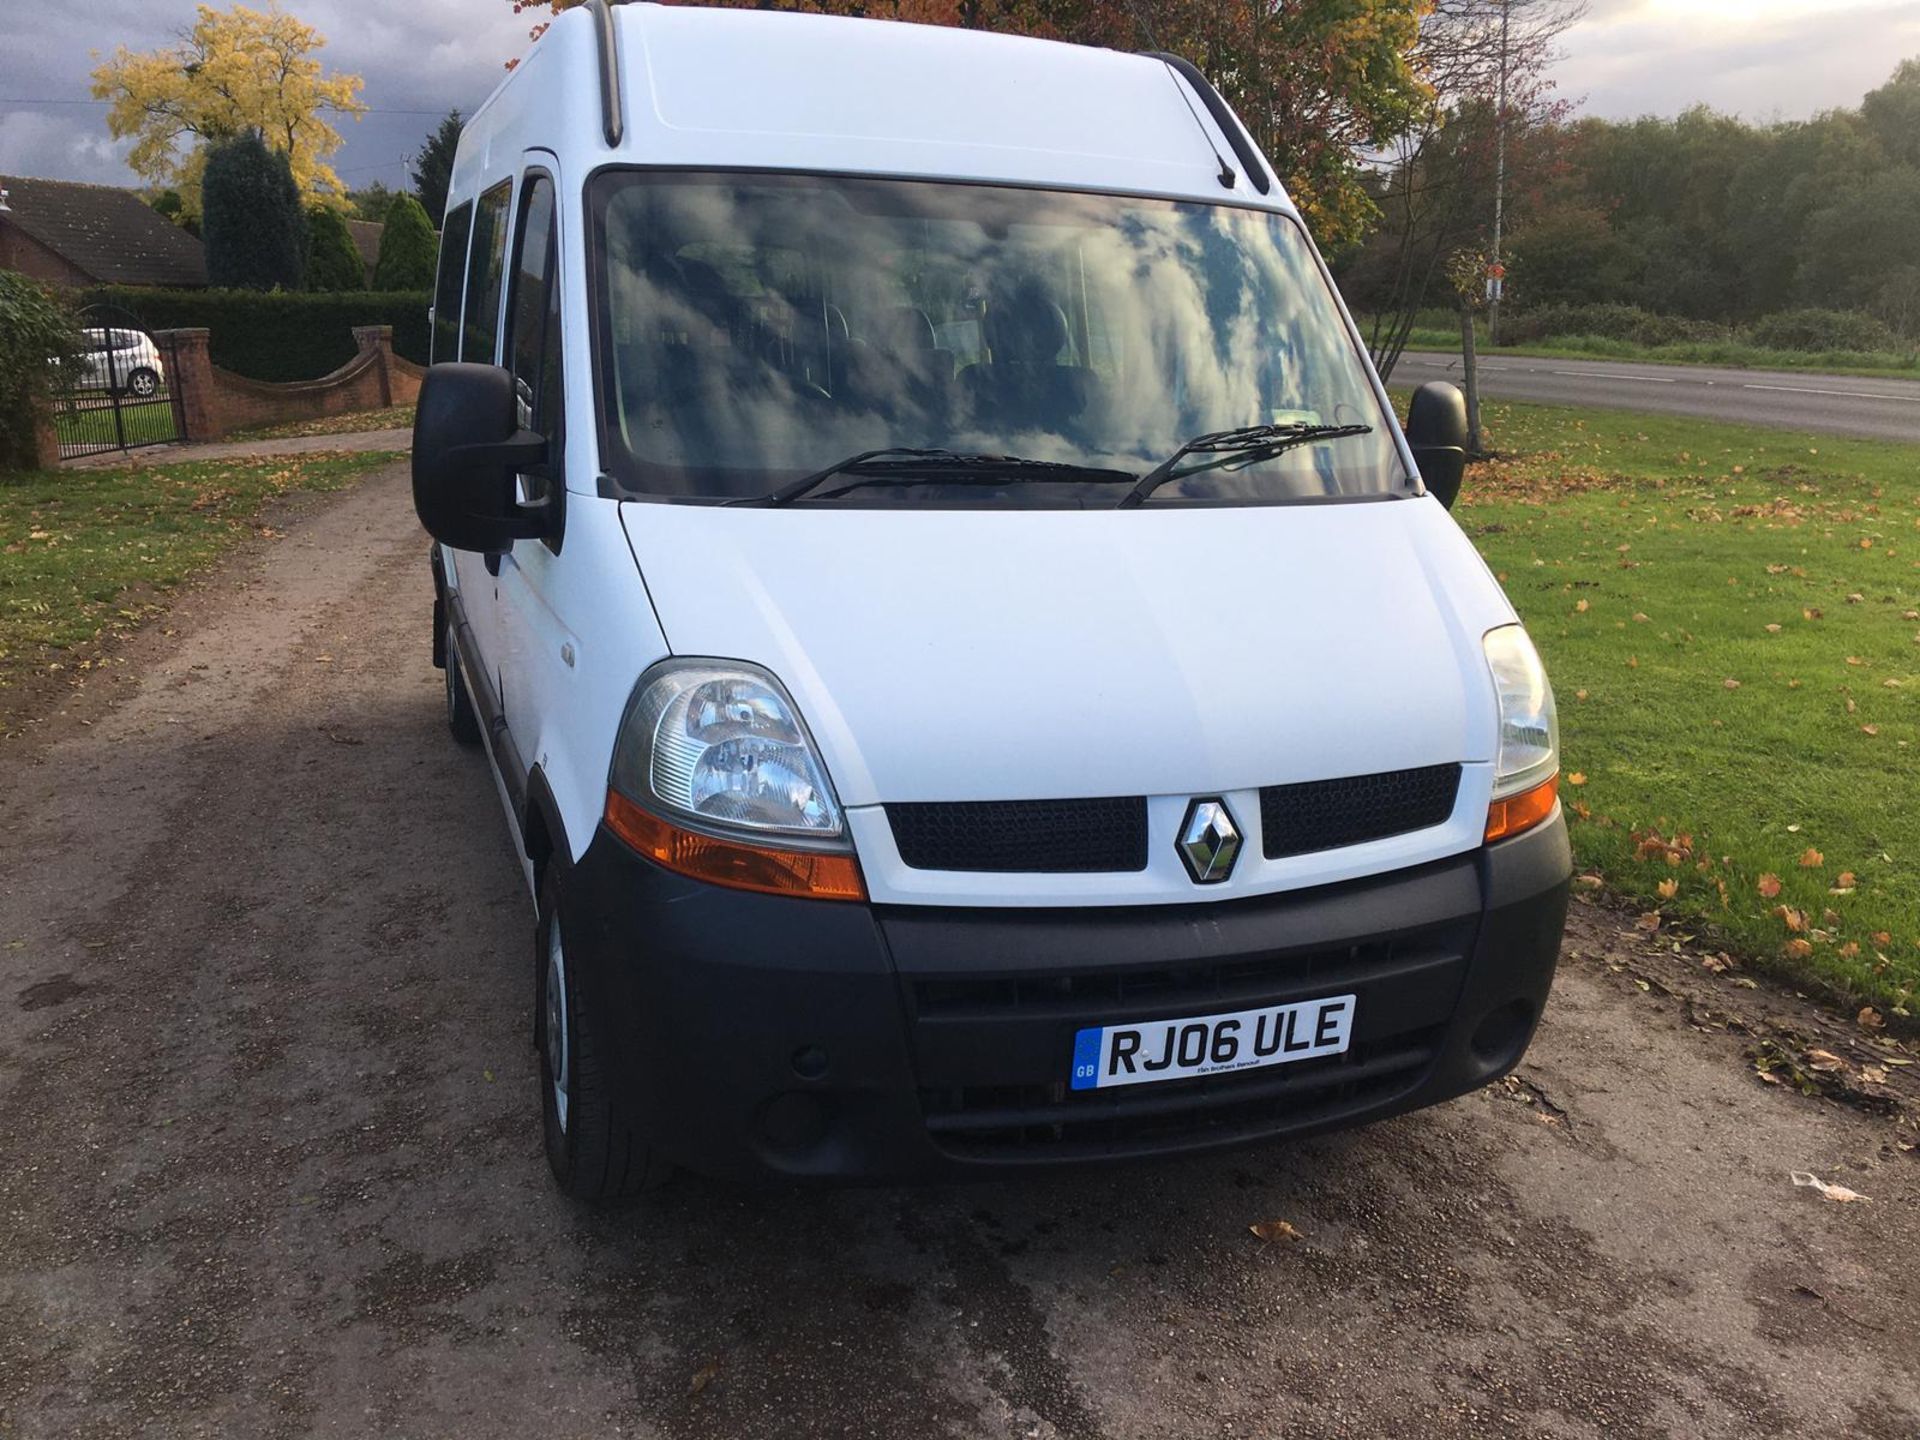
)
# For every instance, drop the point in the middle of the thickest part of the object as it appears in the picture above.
(1438, 435)
(467, 448)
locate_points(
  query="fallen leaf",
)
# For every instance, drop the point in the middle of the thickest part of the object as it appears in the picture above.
(1869, 729)
(1274, 1230)
(1825, 1061)
(1773, 629)
(1846, 880)
(1668, 889)
(1581, 607)
(1579, 694)
(1799, 949)
(1633, 661)
(1874, 1074)
(1869, 1018)
(1649, 921)
(1578, 777)
(1769, 885)
(1730, 684)
(1838, 1193)
(703, 1377)
(1811, 858)
(1639, 618)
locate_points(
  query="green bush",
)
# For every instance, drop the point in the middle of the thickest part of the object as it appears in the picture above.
(250, 217)
(1627, 323)
(409, 249)
(333, 261)
(1823, 330)
(35, 331)
(278, 335)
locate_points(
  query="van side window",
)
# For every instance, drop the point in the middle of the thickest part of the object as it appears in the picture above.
(485, 271)
(446, 289)
(533, 336)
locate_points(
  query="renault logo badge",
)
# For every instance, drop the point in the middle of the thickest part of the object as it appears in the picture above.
(1209, 841)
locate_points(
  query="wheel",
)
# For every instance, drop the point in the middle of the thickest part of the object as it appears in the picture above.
(593, 1149)
(144, 383)
(462, 719)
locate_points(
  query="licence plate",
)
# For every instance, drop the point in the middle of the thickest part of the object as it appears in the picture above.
(1107, 1055)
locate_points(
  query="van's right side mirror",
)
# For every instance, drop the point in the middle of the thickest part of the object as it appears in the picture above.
(467, 448)
(1437, 433)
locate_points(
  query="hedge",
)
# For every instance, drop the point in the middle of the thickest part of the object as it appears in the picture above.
(277, 335)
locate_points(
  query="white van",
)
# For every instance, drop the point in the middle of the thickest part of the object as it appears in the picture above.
(977, 675)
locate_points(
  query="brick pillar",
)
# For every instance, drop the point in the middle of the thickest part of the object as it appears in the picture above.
(192, 380)
(378, 339)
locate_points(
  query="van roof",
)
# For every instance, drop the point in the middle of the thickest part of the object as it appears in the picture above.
(783, 90)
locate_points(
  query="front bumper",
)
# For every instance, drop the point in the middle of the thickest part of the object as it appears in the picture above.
(763, 1036)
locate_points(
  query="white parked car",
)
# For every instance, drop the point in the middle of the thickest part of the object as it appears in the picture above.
(977, 675)
(126, 362)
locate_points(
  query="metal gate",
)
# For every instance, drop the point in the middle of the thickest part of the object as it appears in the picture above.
(119, 392)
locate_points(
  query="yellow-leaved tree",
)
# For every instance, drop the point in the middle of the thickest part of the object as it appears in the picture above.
(236, 70)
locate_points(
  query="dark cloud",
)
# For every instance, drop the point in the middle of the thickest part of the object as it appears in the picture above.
(419, 55)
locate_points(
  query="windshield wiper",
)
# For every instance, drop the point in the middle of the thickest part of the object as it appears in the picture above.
(1235, 448)
(898, 463)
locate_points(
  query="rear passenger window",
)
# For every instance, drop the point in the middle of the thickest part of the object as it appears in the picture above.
(485, 271)
(446, 289)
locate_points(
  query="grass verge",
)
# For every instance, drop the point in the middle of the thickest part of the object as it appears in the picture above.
(1732, 620)
(1732, 354)
(394, 417)
(89, 553)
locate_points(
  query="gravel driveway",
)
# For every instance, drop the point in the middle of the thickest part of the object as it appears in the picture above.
(270, 1158)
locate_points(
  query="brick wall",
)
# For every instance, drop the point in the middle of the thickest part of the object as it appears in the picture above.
(216, 402)
(20, 251)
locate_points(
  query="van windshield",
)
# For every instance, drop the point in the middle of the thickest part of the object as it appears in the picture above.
(751, 329)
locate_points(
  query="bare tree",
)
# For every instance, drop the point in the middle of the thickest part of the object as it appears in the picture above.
(1442, 186)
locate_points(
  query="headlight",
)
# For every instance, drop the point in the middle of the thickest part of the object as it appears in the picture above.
(1526, 771)
(1529, 727)
(720, 744)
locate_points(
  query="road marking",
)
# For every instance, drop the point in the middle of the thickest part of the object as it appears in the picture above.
(1616, 375)
(1809, 390)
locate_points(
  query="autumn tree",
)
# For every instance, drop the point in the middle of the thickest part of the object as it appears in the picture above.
(253, 226)
(1317, 82)
(433, 167)
(235, 72)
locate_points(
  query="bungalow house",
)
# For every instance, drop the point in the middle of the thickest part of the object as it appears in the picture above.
(78, 235)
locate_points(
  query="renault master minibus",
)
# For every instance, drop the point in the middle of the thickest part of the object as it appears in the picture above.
(978, 677)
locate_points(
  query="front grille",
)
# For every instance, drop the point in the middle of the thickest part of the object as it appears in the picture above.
(992, 1049)
(1051, 1122)
(1326, 814)
(1023, 836)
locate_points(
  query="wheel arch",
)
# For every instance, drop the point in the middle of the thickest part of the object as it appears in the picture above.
(543, 833)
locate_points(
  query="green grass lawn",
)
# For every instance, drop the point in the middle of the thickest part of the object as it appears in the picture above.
(1733, 353)
(144, 422)
(84, 552)
(1731, 617)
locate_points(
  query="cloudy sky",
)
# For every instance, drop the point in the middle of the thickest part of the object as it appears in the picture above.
(1764, 59)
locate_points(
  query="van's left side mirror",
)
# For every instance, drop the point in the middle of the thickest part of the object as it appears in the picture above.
(467, 448)
(1438, 435)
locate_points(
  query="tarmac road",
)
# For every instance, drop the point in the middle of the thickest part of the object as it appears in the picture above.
(270, 1159)
(1877, 409)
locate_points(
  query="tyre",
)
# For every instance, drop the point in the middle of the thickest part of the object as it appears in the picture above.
(144, 383)
(462, 719)
(593, 1147)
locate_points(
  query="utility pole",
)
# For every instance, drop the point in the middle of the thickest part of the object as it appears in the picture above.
(1496, 271)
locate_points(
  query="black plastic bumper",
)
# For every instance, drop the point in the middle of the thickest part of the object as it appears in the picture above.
(763, 1036)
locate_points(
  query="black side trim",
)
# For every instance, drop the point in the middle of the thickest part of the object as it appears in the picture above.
(612, 114)
(493, 720)
(1222, 116)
